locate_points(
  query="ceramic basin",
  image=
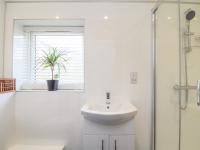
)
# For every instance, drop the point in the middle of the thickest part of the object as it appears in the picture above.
(113, 113)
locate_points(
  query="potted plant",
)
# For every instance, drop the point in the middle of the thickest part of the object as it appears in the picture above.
(53, 59)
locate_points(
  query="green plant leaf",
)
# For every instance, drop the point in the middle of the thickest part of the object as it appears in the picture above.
(53, 58)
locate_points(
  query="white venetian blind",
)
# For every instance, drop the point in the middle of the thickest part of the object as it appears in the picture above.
(72, 44)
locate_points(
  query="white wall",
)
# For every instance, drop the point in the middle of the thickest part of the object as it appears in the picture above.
(2, 6)
(113, 48)
(6, 99)
(6, 120)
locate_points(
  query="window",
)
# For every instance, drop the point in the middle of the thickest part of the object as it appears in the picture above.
(29, 47)
(71, 43)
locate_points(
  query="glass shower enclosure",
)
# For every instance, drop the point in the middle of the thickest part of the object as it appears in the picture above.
(176, 65)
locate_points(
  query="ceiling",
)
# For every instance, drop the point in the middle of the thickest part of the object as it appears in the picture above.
(80, 0)
(131, 1)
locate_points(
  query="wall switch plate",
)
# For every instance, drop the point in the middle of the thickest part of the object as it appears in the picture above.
(133, 77)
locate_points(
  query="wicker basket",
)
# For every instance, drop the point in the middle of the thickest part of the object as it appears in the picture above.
(7, 85)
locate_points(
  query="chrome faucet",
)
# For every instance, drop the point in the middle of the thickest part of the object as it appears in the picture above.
(108, 98)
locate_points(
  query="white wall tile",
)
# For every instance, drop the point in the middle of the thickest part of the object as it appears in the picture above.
(6, 120)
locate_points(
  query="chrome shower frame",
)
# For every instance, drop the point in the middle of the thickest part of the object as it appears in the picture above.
(153, 124)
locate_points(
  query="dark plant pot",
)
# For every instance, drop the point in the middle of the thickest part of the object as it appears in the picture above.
(52, 85)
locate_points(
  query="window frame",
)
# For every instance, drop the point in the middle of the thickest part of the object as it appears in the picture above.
(32, 58)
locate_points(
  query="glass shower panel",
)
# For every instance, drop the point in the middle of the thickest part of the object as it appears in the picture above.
(167, 75)
(190, 72)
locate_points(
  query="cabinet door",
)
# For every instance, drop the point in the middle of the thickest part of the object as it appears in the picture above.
(95, 142)
(122, 142)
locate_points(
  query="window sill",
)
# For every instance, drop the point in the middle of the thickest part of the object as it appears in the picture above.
(62, 91)
(5, 92)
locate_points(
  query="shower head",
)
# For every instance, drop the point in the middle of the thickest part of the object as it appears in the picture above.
(190, 14)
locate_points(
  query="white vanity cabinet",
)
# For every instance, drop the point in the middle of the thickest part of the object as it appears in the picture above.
(95, 142)
(110, 136)
(122, 142)
(109, 142)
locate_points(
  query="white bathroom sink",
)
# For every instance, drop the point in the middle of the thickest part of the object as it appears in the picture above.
(113, 113)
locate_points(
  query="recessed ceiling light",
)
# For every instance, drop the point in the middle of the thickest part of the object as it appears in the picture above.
(169, 18)
(105, 17)
(57, 17)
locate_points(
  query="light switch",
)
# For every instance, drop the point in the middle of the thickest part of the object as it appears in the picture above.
(133, 77)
